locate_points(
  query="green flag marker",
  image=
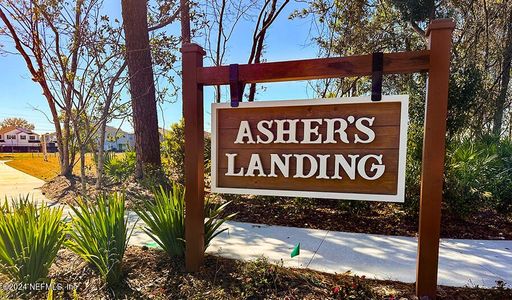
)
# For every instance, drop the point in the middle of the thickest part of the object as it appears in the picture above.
(152, 245)
(295, 251)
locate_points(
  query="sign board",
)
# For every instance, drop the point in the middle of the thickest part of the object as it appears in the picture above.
(346, 148)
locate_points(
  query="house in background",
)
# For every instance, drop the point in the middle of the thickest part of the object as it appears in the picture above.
(118, 140)
(51, 142)
(16, 139)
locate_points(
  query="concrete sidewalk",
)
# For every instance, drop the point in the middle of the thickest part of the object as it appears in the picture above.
(462, 262)
(14, 183)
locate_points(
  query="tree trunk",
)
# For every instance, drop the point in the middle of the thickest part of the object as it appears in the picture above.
(505, 79)
(83, 149)
(101, 154)
(65, 168)
(265, 18)
(103, 126)
(218, 59)
(142, 85)
(257, 60)
(185, 21)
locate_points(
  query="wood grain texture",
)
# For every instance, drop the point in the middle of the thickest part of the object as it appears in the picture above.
(432, 170)
(194, 151)
(352, 66)
(389, 113)
(387, 138)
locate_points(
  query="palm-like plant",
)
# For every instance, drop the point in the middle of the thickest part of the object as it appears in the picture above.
(165, 219)
(30, 236)
(214, 221)
(99, 234)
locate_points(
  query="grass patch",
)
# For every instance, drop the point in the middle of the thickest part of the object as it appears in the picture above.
(35, 165)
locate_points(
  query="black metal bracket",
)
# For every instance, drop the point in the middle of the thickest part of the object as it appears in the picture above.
(236, 87)
(377, 70)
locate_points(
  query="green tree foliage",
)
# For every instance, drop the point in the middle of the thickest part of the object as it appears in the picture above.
(466, 87)
(173, 152)
(478, 78)
(481, 51)
(362, 27)
(416, 11)
(17, 122)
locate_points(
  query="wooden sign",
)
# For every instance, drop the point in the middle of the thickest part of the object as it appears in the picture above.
(435, 60)
(348, 148)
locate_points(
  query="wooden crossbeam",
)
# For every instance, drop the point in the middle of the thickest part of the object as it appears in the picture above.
(318, 68)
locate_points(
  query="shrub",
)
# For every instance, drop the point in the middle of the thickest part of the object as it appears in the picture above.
(173, 152)
(154, 176)
(213, 213)
(99, 234)
(259, 278)
(478, 174)
(502, 183)
(413, 169)
(165, 219)
(352, 287)
(30, 237)
(469, 177)
(119, 167)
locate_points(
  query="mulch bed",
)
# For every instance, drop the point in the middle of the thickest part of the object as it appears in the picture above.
(364, 217)
(335, 215)
(66, 190)
(150, 274)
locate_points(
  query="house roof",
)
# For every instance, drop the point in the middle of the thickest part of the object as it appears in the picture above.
(7, 129)
(164, 131)
(11, 128)
(109, 130)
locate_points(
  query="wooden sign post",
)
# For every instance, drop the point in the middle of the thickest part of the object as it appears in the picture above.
(435, 60)
(432, 169)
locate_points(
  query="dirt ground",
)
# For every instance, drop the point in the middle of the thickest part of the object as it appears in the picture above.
(367, 217)
(67, 190)
(347, 216)
(150, 274)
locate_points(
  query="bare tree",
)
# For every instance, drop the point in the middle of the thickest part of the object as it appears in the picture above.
(268, 14)
(99, 96)
(222, 18)
(48, 35)
(505, 76)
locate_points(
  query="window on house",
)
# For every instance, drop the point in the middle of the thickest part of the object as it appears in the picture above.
(32, 137)
(23, 137)
(11, 137)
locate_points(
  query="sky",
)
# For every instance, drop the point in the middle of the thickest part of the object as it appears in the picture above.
(286, 40)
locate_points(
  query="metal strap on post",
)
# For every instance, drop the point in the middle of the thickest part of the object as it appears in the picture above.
(236, 88)
(377, 67)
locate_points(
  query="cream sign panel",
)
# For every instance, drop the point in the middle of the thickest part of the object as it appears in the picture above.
(347, 148)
